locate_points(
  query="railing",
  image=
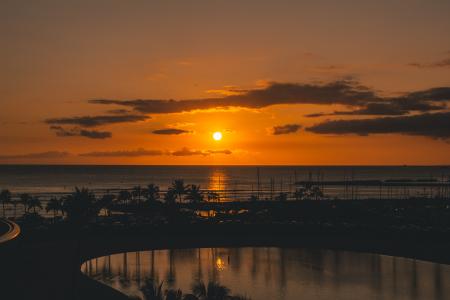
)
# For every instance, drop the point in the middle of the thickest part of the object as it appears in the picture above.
(10, 231)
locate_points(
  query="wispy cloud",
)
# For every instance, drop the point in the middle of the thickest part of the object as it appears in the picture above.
(191, 152)
(38, 155)
(124, 153)
(72, 132)
(170, 131)
(444, 63)
(152, 152)
(94, 121)
(285, 129)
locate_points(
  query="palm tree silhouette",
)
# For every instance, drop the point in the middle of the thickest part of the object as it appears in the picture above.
(281, 197)
(299, 194)
(170, 197)
(107, 202)
(194, 194)
(253, 198)
(15, 202)
(54, 205)
(174, 294)
(317, 193)
(34, 203)
(81, 205)
(151, 193)
(137, 193)
(213, 196)
(214, 291)
(5, 197)
(124, 197)
(178, 188)
(152, 290)
(24, 199)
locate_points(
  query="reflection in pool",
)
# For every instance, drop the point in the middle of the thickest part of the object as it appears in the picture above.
(276, 273)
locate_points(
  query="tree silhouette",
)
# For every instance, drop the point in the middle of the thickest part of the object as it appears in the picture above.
(170, 197)
(137, 194)
(253, 198)
(152, 291)
(81, 205)
(107, 202)
(214, 291)
(34, 203)
(24, 199)
(178, 188)
(151, 193)
(124, 197)
(281, 197)
(299, 194)
(213, 196)
(5, 197)
(54, 205)
(194, 194)
(174, 294)
(15, 202)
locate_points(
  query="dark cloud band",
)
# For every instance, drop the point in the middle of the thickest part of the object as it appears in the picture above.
(94, 121)
(170, 131)
(340, 92)
(92, 134)
(285, 129)
(348, 93)
(435, 125)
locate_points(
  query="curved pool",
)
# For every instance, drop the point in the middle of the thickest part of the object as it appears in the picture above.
(274, 273)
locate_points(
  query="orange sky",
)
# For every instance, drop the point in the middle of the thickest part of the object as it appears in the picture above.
(58, 55)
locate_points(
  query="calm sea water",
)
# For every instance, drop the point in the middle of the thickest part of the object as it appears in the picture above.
(62, 179)
(276, 273)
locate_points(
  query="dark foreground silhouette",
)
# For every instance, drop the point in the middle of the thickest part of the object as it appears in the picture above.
(47, 258)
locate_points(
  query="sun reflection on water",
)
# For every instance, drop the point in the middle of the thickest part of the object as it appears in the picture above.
(220, 264)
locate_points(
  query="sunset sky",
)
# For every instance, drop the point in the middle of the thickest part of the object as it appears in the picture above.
(285, 82)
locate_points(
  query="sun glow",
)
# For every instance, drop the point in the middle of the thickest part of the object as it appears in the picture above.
(217, 136)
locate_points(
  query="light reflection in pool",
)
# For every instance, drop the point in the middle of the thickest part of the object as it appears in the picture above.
(276, 273)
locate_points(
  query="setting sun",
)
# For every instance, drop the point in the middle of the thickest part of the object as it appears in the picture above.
(217, 136)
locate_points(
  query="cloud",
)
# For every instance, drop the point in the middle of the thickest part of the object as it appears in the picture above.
(363, 100)
(434, 125)
(145, 152)
(119, 111)
(392, 108)
(189, 152)
(124, 153)
(229, 90)
(38, 155)
(433, 94)
(219, 152)
(445, 63)
(338, 92)
(420, 101)
(170, 131)
(285, 129)
(94, 121)
(315, 115)
(92, 134)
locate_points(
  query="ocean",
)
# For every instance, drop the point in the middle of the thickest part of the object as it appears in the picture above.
(58, 179)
